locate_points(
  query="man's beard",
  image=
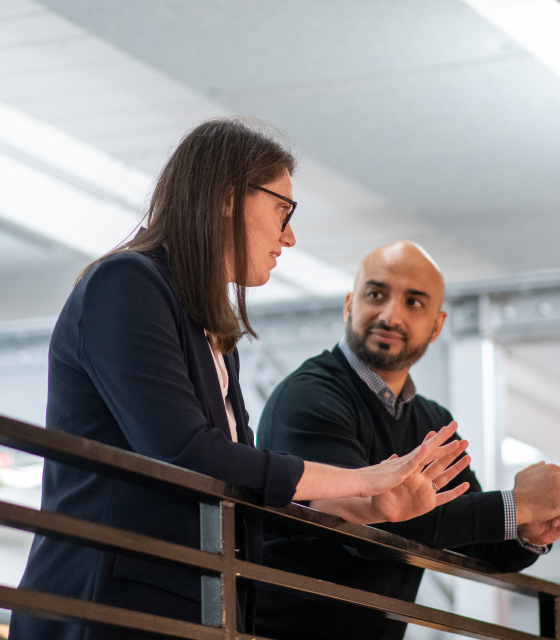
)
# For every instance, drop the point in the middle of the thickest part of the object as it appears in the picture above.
(380, 358)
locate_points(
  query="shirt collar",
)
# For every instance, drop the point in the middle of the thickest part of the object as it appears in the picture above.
(376, 383)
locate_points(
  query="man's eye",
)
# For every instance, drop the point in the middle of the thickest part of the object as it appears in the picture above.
(374, 294)
(414, 303)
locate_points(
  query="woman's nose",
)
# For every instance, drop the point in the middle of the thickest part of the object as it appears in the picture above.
(288, 238)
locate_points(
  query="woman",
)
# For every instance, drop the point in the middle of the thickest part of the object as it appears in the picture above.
(143, 357)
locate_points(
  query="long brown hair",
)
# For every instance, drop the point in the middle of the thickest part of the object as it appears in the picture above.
(215, 161)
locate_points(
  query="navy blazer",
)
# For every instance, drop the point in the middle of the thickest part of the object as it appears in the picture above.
(129, 367)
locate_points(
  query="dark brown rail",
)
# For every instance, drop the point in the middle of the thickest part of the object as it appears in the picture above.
(216, 558)
(110, 539)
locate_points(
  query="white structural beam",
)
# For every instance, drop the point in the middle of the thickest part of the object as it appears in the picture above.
(534, 24)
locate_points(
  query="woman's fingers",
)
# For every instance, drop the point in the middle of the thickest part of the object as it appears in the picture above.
(430, 450)
(427, 457)
(394, 456)
(447, 496)
(447, 431)
(454, 448)
(431, 445)
(452, 472)
(440, 465)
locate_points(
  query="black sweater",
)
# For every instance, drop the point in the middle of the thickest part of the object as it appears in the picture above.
(324, 412)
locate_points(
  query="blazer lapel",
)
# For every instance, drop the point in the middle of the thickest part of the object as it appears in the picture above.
(236, 399)
(215, 409)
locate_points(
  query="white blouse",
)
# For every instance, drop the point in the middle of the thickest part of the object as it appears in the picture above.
(223, 378)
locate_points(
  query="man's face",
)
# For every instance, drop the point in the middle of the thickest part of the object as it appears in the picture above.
(394, 312)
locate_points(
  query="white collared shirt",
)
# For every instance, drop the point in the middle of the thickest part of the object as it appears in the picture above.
(223, 379)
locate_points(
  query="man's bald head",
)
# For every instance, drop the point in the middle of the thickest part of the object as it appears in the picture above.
(406, 259)
(394, 311)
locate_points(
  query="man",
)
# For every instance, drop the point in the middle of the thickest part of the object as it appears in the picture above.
(356, 405)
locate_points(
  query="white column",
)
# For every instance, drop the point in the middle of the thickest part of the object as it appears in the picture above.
(477, 397)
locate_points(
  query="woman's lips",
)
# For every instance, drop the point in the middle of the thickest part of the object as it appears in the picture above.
(386, 337)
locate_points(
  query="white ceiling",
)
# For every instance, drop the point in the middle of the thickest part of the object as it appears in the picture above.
(416, 120)
(425, 104)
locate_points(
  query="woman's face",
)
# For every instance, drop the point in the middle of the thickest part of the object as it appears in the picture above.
(264, 215)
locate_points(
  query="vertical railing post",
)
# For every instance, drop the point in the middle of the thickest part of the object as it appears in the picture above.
(549, 615)
(229, 578)
(211, 540)
(217, 535)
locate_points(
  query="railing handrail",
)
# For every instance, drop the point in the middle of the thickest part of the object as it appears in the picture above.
(130, 467)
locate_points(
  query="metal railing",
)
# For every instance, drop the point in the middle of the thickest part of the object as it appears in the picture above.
(216, 559)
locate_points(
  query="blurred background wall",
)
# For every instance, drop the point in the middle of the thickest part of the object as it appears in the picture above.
(434, 121)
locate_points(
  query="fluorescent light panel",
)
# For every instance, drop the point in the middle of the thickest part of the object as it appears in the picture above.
(65, 214)
(74, 159)
(534, 24)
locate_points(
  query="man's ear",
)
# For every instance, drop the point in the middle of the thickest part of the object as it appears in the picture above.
(347, 305)
(438, 325)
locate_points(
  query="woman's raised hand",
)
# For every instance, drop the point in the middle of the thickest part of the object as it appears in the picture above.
(396, 489)
(392, 472)
(419, 489)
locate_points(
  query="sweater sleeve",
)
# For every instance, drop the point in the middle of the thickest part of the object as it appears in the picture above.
(313, 416)
(130, 348)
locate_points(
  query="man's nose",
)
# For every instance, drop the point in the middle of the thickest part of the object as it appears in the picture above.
(391, 313)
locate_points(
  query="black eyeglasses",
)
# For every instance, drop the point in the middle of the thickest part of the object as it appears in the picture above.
(291, 212)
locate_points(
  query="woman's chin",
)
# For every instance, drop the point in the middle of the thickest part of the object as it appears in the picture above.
(258, 281)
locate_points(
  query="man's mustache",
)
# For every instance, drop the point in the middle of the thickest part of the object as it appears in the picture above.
(379, 324)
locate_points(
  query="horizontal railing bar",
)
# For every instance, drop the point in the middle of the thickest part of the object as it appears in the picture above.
(91, 534)
(57, 607)
(53, 606)
(114, 462)
(107, 538)
(390, 545)
(47, 605)
(393, 608)
(131, 467)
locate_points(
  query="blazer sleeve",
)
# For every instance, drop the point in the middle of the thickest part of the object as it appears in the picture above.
(130, 348)
(314, 418)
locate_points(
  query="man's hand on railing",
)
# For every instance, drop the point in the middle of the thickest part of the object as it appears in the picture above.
(402, 488)
(540, 533)
(537, 501)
